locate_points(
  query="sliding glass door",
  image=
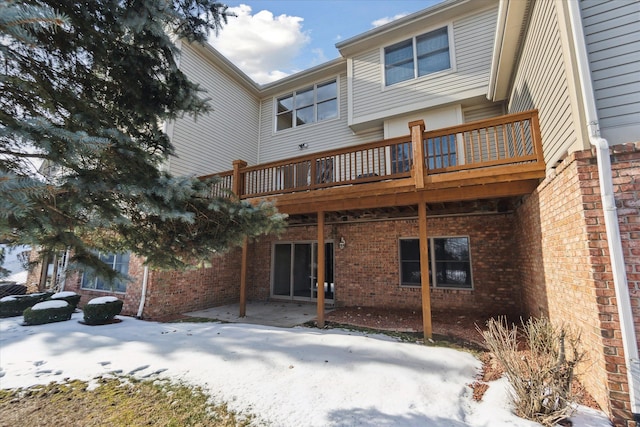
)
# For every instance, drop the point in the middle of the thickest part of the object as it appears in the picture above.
(295, 271)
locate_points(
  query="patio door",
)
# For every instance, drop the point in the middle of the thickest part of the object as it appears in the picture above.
(295, 270)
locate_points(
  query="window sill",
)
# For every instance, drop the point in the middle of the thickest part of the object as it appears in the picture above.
(441, 288)
(104, 291)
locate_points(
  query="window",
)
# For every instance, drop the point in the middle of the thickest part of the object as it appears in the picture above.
(441, 152)
(120, 263)
(410, 262)
(417, 56)
(401, 157)
(452, 262)
(309, 105)
(449, 262)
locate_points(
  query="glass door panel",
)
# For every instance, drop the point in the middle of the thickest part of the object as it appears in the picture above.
(329, 284)
(303, 276)
(295, 271)
(282, 270)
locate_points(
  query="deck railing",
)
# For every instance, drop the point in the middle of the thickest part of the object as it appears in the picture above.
(502, 141)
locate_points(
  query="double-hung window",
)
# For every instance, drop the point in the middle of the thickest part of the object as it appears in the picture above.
(120, 263)
(309, 105)
(449, 262)
(417, 56)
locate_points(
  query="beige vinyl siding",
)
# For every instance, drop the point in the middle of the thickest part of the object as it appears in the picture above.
(320, 136)
(612, 33)
(211, 142)
(482, 112)
(472, 48)
(541, 82)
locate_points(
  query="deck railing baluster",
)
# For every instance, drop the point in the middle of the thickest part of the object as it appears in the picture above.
(512, 139)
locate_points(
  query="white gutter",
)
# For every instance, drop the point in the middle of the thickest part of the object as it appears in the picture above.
(143, 296)
(625, 313)
(497, 48)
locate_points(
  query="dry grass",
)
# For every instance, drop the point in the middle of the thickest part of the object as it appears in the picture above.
(539, 361)
(114, 402)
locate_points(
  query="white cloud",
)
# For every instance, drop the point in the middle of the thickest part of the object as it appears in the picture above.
(387, 19)
(318, 56)
(261, 44)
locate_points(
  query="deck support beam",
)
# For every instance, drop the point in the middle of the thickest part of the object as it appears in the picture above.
(417, 130)
(424, 271)
(320, 274)
(243, 279)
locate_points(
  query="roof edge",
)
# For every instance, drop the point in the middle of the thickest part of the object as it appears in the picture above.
(350, 44)
(511, 20)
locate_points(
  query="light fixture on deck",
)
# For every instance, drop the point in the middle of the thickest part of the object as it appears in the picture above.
(342, 243)
(303, 146)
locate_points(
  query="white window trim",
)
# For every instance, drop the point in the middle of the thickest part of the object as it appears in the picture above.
(95, 279)
(315, 104)
(452, 59)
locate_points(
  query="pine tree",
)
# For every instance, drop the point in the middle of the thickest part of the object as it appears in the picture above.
(85, 88)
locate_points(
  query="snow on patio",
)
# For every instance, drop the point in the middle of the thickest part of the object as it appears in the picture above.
(286, 377)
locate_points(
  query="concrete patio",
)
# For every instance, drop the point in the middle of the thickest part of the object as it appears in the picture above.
(270, 313)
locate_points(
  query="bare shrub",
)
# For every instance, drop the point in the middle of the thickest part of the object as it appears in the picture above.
(538, 359)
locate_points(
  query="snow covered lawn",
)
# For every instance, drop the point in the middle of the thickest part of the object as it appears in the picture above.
(286, 377)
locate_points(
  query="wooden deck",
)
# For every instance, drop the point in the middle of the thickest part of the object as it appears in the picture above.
(488, 159)
(499, 157)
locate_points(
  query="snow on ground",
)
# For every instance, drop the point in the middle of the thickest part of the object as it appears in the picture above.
(286, 377)
(17, 273)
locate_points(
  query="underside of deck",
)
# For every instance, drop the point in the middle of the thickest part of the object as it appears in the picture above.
(476, 167)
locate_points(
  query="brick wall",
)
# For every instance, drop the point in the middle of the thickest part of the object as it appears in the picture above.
(565, 269)
(626, 185)
(131, 297)
(171, 293)
(367, 269)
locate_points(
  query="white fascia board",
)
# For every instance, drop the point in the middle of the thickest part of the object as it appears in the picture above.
(511, 18)
(312, 75)
(410, 24)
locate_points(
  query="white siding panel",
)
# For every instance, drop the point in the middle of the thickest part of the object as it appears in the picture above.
(613, 45)
(211, 142)
(321, 136)
(473, 44)
(541, 82)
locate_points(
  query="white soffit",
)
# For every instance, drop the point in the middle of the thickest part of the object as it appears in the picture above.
(511, 19)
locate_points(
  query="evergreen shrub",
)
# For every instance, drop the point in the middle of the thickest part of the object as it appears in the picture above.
(48, 312)
(102, 310)
(71, 297)
(14, 305)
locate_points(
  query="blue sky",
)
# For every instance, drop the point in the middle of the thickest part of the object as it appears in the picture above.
(270, 39)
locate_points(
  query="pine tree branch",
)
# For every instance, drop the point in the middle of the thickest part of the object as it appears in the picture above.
(24, 155)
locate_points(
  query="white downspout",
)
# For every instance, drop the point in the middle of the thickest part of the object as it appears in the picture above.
(614, 241)
(143, 296)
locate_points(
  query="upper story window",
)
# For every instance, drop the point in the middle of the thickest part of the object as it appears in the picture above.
(417, 56)
(309, 105)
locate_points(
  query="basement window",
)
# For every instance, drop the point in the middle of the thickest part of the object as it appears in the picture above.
(449, 262)
(120, 263)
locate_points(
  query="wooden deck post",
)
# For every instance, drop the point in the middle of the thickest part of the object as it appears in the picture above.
(417, 129)
(238, 177)
(243, 279)
(320, 269)
(424, 271)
